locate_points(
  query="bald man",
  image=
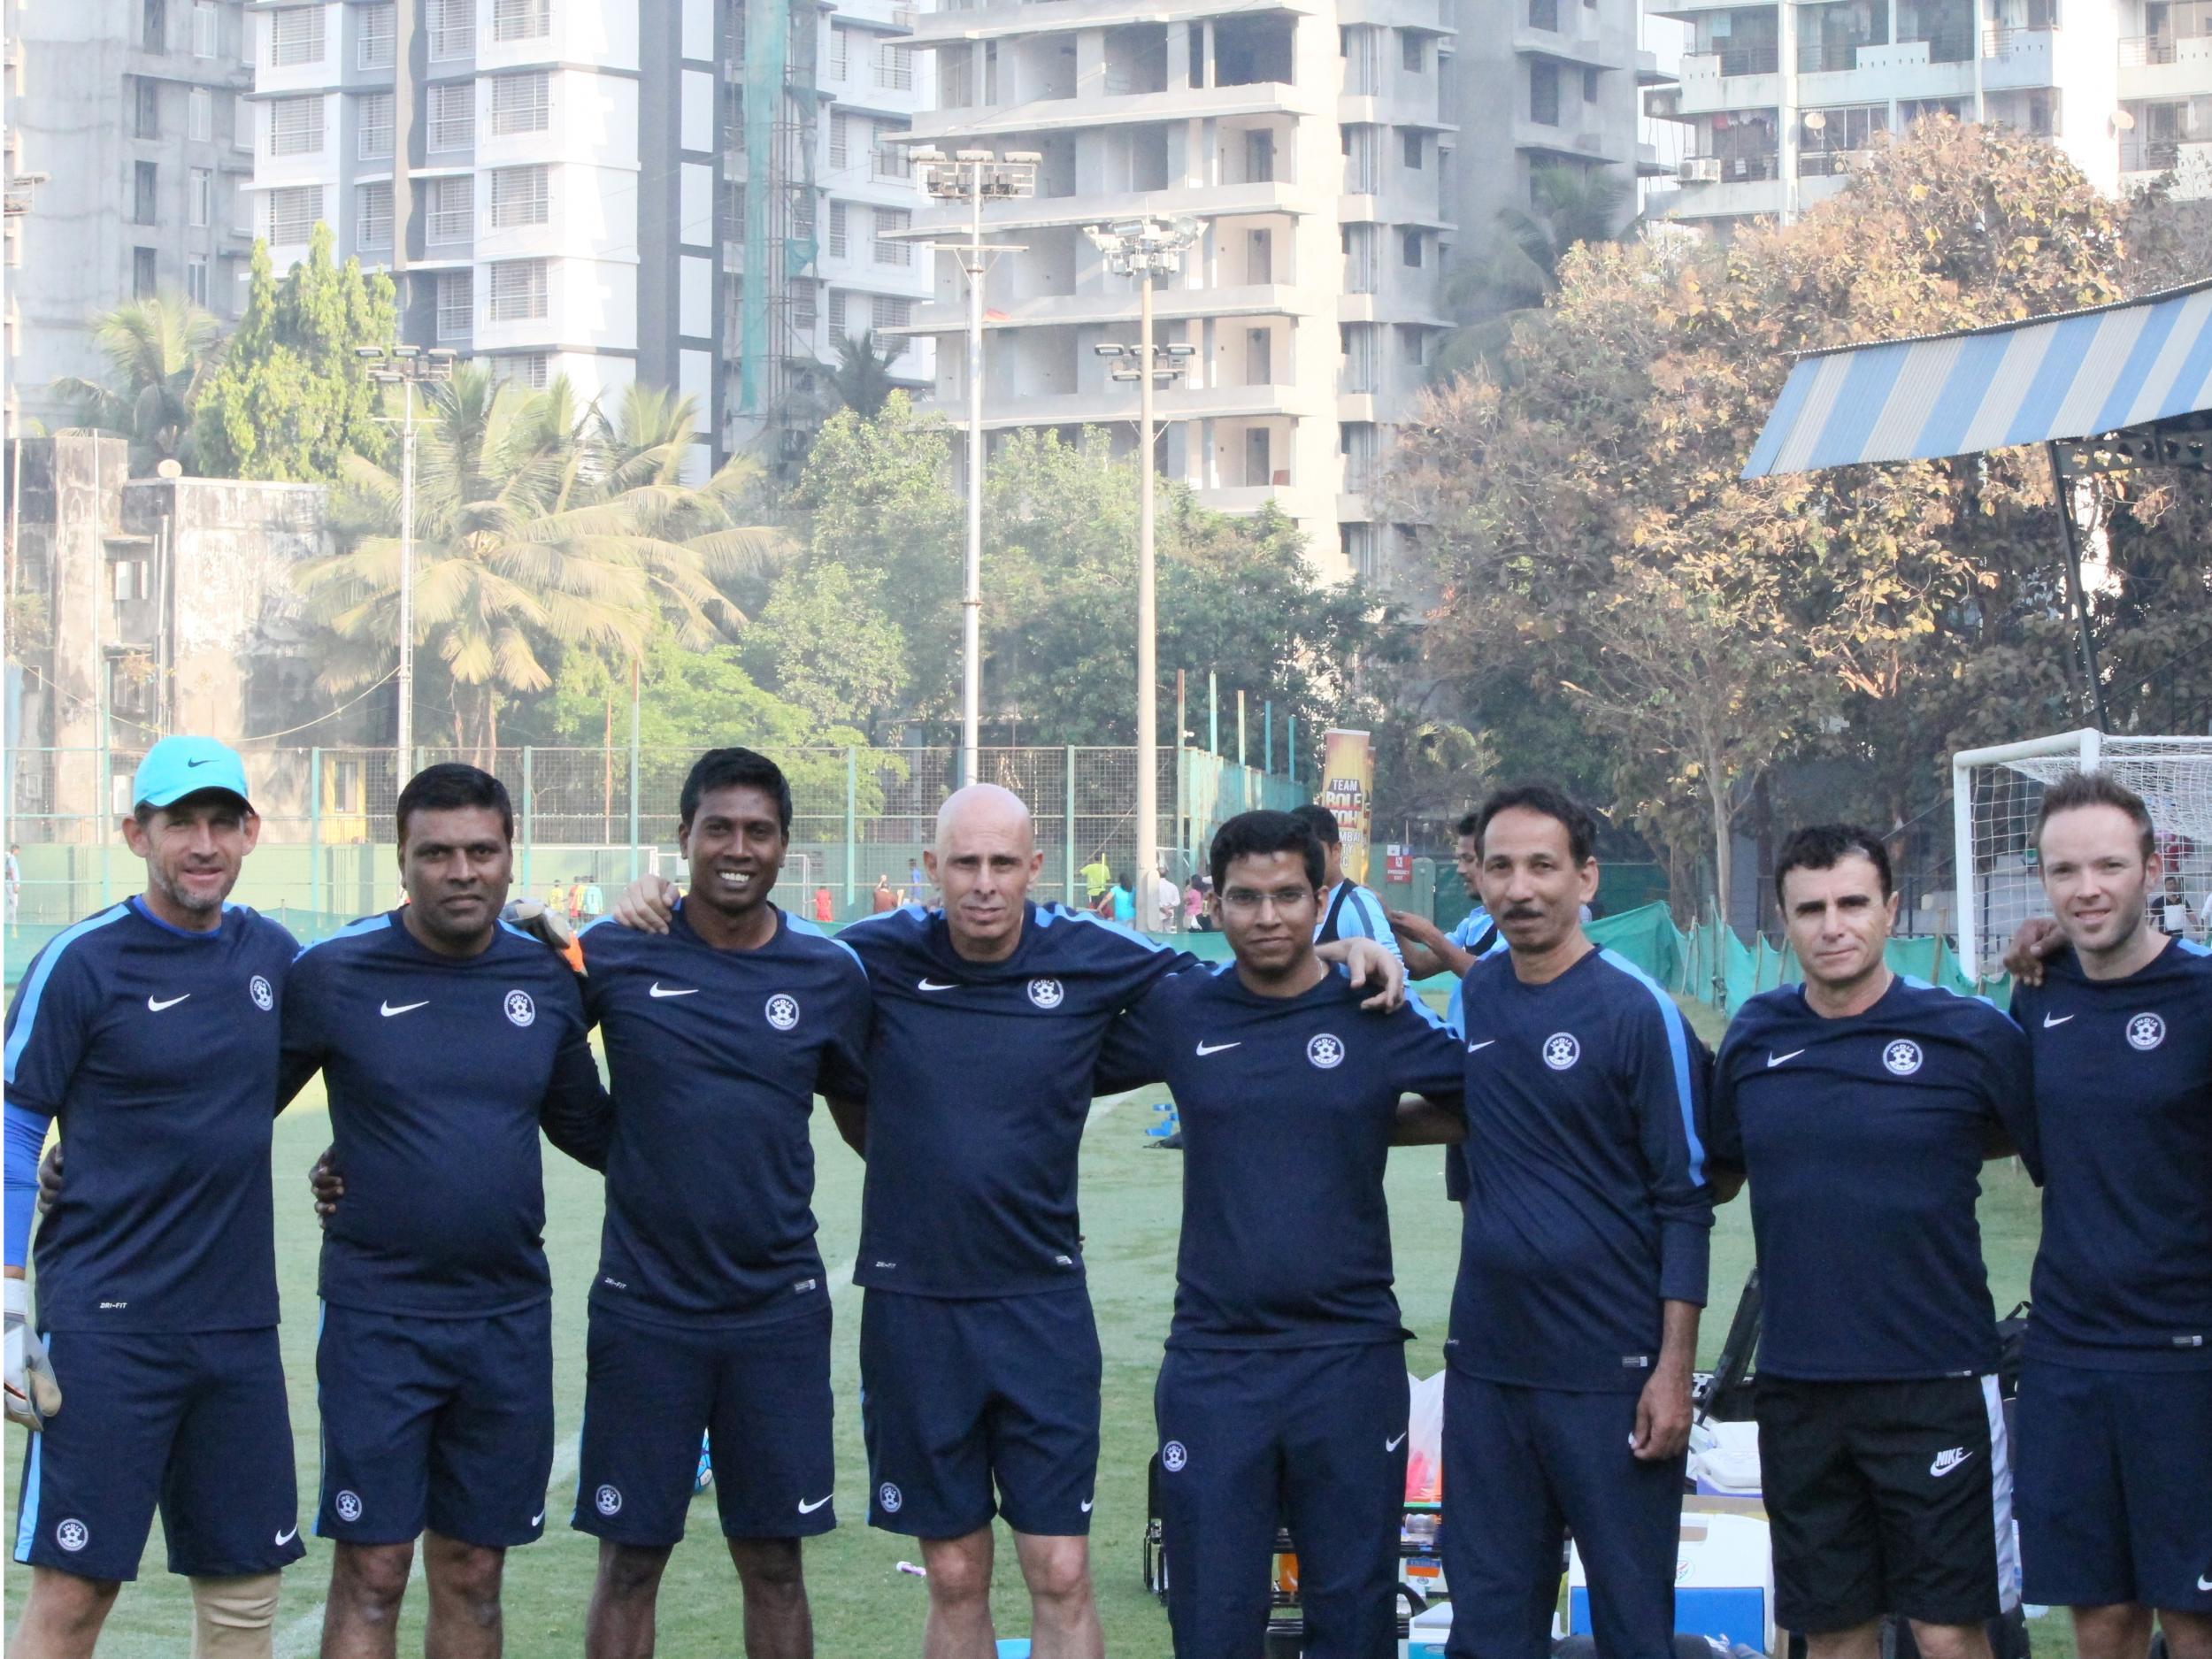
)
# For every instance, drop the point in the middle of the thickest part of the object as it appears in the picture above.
(979, 1360)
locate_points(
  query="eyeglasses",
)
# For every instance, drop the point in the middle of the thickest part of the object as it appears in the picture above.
(1244, 900)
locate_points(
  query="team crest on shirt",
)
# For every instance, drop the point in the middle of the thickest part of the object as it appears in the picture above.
(521, 1009)
(72, 1535)
(2145, 1031)
(1325, 1050)
(1560, 1050)
(783, 1012)
(1047, 993)
(1902, 1057)
(607, 1501)
(263, 997)
(888, 1498)
(1174, 1456)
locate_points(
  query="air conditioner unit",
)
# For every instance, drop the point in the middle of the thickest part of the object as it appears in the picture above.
(1699, 170)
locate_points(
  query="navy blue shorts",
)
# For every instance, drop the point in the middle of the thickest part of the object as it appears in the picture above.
(762, 1396)
(2114, 1487)
(961, 1400)
(1531, 1463)
(193, 1422)
(1315, 1436)
(439, 1424)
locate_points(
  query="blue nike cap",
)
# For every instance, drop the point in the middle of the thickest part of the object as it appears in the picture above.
(178, 766)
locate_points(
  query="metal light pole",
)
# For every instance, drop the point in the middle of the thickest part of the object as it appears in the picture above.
(1145, 249)
(408, 366)
(974, 176)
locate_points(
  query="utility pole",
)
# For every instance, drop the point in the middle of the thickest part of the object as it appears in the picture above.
(408, 366)
(974, 176)
(1144, 249)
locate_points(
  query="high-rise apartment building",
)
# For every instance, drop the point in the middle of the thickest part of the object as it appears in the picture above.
(134, 114)
(1780, 100)
(1310, 145)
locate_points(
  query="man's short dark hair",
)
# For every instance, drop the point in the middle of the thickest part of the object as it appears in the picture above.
(1543, 799)
(2079, 789)
(737, 769)
(1256, 834)
(1825, 846)
(1318, 820)
(1470, 823)
(451, 784)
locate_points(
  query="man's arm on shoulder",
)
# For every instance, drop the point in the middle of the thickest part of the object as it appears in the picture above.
(576, 1113)
(1723, 1137)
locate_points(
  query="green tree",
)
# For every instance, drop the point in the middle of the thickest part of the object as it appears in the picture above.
(293, 399)
(861, 377)
(1505, 285)
(826, 647)
(160, 352)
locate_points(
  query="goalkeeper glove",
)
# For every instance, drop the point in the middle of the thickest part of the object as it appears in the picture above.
(33, 1395)
(547, 925)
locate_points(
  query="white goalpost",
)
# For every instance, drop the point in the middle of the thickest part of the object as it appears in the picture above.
(1996, 792)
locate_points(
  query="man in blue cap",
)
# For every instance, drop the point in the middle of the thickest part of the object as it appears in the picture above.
(149, 1032)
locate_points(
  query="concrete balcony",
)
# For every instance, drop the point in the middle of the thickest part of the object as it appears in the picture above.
(1393, 305)
(1389, 110)
(1071, 311)
(958, 128)
(1038, 213)
(1423, 17)
(1913, 69)
(1570, 143)
(1357, 406)
(2013, 60)
(2142, 160)
(1713, 81)
(1058, 16)
(2158, 68)
(1648, 70)
(1392, 207)
(1730, 199)
(1572, 49)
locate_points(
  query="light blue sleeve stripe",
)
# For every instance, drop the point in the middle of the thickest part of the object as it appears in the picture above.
(35, 987)
(351, 930)
(799, 924)
(1378, 921)
(1117, 929)
(2192, 947)
(27, 1524)
(1420, 1005)
(1678, 1049)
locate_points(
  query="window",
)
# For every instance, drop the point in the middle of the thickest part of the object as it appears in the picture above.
(837, 314)
(1413, 150)
(1410, 53)
(452, 28)
(377, 47)
(453, 116)
(1543, 93)
(1543, 14)
(448, 210)
(1589, 86)
(521, 195)
(840, 53)
(521, 19)
(196, 280)
(1259, 358)
(456, 304)
(1410, 249)
(376, 113)
(519, 290)
(293, 214)
(839, 138)
(203, 23)
(1259, 156)
(522, 103)
(837, 236)
(296, 126)
(894, 67)
(199, 115)
(141, 273)
(146, 108)
(153, 26)
(1413, 344)
(886, 311)
(295, 36)
(200, 199)
(373, 214)
(529, 369)
(890, 219)
(803, 308)
(145, 193)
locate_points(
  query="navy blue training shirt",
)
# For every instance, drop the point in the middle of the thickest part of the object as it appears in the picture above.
(1287, 1105)
(2123, 1146)
(156, 1048)
(1586, 1204)
(1863, 1139)
(716, 1056)
(440, 1071)
(980, 1081)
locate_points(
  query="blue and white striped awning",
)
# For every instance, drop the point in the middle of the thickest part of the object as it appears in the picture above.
(2069, 376)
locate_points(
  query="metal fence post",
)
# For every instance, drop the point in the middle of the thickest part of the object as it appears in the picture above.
(1213, 713)
(529, 796)
(1290, 742)
(636, 852)
(852, 816)
(1267, 727)
(315, 836)
(1067, 838)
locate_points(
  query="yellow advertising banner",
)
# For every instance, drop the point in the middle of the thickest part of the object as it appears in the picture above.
(1348, 789)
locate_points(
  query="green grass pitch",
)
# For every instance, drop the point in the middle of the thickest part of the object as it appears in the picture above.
(863, 1605)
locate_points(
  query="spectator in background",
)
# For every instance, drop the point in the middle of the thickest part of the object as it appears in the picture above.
(556, 896)
(1194, 906)
(14, 883)
(886, 897)
(1098, 875)
(914, 892)
(576, 901)
(595, 903)
(1348, 911)
(825, 912)
(1124, 901)
(1169, 900)
(2174, 918)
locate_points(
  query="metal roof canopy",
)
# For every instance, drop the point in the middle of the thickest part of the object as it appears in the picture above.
(2103, 390)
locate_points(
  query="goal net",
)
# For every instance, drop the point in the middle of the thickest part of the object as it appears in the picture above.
(1996, 793)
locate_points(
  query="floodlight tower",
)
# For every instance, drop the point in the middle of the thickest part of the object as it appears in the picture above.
(974, 176)
(408, 366)
(1144, 249)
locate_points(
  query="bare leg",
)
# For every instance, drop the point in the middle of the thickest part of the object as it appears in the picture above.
(1951, 1642)
(620, 1623)
(1861, 1641)
(463, 1579)
(1064, 1618)
(959, 1624)
(2188, 1635)
(62, 1616)
(367, 1583)
(2122, 1631)
(778, 1625)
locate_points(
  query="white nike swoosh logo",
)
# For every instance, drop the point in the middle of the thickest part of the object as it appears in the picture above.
(1216, 1047)
(927, 984)
(807, 1509)
(153, 1007)
(540, 1515)
(405, 1008)
(1477, 1048)
(2204, 1584)
(1087, 1506)
(1945, 1462)
(2050, 1021)
(1391, 1446)
(285, 1537)
(1774, 1060)
(691, 990)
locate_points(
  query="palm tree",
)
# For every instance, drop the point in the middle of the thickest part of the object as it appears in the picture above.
(538, 529)
(862, 379)
(160, 352)
(1495, 296)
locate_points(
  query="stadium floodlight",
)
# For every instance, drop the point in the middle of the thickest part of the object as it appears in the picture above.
(406, 364)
